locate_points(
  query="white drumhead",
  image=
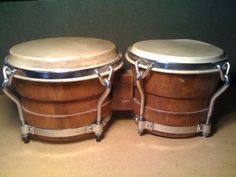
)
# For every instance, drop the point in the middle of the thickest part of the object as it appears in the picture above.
(178, 51)
(62, 54)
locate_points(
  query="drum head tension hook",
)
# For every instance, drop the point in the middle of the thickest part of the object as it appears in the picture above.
(142, 74)
(8, 74)
(105, 81)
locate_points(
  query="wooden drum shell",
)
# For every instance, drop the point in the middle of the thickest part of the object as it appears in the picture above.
(178, 100)
(61, 105)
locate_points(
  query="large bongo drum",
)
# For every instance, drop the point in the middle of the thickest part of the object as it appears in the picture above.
(176, 84)
(63, 86)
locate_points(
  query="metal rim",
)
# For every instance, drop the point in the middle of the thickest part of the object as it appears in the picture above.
(181, 68)
(80, 75)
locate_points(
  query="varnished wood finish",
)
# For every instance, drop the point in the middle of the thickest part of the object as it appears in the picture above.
(66, 91)
(61, 105)
(176, 99)
(122, 94)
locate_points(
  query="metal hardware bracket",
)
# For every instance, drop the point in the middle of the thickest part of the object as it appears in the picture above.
(139, 76)
(146, 125)
(30, 130)
(224, 75)
(108, 84)
(8, 74)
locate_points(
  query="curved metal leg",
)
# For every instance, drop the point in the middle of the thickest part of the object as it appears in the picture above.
(8, 74)
(107, 83)
(224, 73)
(139, 76)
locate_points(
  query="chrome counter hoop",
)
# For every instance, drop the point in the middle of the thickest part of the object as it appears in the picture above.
(69, 76)
(175, 66)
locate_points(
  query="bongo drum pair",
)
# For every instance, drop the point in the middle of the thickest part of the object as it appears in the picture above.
(63, 86)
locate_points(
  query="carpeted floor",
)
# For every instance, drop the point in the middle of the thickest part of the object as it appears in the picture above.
(121, 153)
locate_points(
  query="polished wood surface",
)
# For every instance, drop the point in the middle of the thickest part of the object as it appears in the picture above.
(171, 100)
(122, 94)
(176, 99)
(61, 105)
(64, 91)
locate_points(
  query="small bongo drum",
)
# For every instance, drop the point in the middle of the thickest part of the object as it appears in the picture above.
(63, 86)
(176, 85)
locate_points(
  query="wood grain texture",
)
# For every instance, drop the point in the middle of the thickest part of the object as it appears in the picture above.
(61, 105)
(65, 91)
(176, 99)
(122, 94)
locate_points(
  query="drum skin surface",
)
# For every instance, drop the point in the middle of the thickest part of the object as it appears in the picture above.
(177, 100)
(61, 105)
(62, 54)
